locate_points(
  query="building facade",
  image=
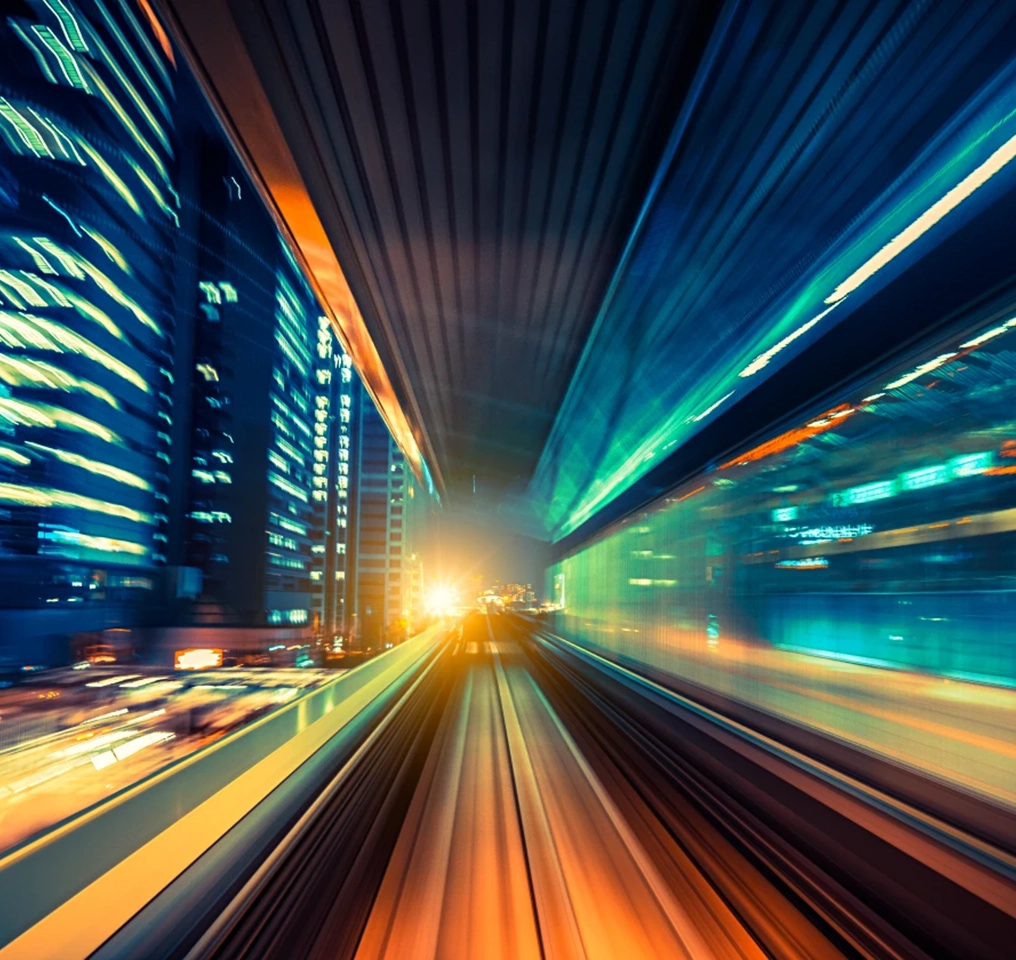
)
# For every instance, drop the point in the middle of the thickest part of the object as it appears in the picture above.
(88, 217)
(265, 432)
(386, 599)
(333, 448)
(246, 517)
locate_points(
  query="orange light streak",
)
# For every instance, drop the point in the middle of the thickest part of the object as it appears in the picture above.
(820, 424)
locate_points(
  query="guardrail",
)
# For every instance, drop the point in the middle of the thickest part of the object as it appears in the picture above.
(66, 892)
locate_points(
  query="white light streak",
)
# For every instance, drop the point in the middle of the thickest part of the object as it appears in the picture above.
(973, 181)
(104, 716)
(989, 334)
(762, 360)
(924, 368)
(705, 413)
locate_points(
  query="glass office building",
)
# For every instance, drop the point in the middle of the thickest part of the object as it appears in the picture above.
(246, 370)
(244, 515)
(88, 214)
(389, 507)
(264, 434)
(290, 455)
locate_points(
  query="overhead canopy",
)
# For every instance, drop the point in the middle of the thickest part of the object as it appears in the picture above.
(564, 236)
(477, 168)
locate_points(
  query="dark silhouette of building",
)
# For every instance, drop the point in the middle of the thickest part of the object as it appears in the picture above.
(257, 375)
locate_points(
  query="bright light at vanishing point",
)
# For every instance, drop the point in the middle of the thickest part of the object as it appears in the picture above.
(441, 600)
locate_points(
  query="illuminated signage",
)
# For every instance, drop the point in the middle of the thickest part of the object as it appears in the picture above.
(866, 493)
(971, 464)
(847, 531)
(965, 465)
(925, 477)
(199, 659)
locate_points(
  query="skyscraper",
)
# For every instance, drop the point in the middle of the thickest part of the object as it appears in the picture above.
(179, 425)
(247, 366)
(88, 212)
(389, 508)
(264, 434)
(333, 435)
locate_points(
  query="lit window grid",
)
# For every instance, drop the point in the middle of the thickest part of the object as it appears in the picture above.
(324, 589)
(292, 448)
(87, 295)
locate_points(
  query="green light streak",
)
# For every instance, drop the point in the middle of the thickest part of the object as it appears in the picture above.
(71, 28)
(131, 92)
(100, 544)
(24, 129)
(31, 414)
(27, 331)
(40, 261)
(109, 250)
(63, 141)
(113, 291)
(65, 258)
(40, 57)
(12, 456)
(69, 65)
(128, 47)
(20, 495)
(632, 453)
(96, 467)
(107, 171)
(128, 124)
(24, 372)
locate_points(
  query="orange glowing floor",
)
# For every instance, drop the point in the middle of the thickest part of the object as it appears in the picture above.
(514, 847)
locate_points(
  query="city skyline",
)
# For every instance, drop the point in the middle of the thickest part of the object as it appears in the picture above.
(180, 427)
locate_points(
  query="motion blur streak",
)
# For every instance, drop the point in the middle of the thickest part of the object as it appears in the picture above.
(531, 799)
(464, 812)
(488, 479)
(845, 574)
(449, 895)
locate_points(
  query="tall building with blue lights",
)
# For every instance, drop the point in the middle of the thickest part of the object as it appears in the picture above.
(88, 215)
(262, 434)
